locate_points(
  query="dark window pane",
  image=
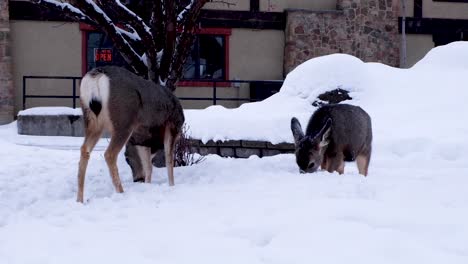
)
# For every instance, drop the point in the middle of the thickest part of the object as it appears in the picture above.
(191, 64)
(206, 59)
(211, 57)
(101, 52)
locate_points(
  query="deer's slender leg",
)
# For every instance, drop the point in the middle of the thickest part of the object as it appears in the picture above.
(324, 163)
(144, 154)
(170, 140)
(363, 163)
(340, 168)
(118, 140)
(91, 138)
(336, 164)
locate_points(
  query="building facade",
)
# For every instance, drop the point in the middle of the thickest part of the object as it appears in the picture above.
(245, 40)
(6, 77)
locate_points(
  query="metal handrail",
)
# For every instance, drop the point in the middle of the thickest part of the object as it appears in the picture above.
(214, 85)
(73, 96)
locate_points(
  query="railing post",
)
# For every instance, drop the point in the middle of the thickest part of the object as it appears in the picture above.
(24, 92)
(74, 92)
(214, 92)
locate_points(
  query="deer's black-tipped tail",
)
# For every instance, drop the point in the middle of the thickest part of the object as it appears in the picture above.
(95, 106)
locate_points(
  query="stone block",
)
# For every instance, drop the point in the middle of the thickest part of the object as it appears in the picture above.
(229, 143)
(253, 144)
(194, 149)
(286, 151)
(247, 152)
(281, 146)
(51, 125)
(194, 142)
(227, 152)
(270, 152)
(208, 150)
(210, 143)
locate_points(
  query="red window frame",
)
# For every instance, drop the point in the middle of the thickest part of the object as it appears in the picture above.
(85, 28)
(226, 32)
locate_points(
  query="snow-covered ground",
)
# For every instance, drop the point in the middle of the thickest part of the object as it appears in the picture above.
(412, 208)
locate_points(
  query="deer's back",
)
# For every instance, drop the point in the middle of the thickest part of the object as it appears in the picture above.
(130, 94)
(351, 129)
(149, 106)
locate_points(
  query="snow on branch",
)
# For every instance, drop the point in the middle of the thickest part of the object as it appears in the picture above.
(66, 7)
(184, 43)
(156, 49)
(104, 22)
(134, 16)
(131, 35)
(157, 24)
(181, 15)
(141, 32)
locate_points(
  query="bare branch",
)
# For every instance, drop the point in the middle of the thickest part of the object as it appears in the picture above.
(183, 11)
(131, 35)
(134, 17)
(157, 25)
(171, 34)
(142, 30)
(67, 9)
(156, 49)
(90, 8)
(184, 44)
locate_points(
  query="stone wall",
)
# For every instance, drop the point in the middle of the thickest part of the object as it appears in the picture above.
(367, 29)
(72, 125)
(6, 77)
(240, 148)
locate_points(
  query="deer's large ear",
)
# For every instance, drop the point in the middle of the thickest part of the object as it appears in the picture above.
(325, 133)
(296, 129)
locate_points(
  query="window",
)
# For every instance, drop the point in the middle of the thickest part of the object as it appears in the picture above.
(100, 51)
(208, 59)
(447, 36)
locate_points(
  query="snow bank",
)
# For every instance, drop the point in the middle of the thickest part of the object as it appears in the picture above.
(413, 207)
(453, 55)
(398, 100)
(50, 111)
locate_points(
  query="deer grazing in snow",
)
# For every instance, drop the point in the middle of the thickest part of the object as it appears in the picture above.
(336, 133)
(137, 113)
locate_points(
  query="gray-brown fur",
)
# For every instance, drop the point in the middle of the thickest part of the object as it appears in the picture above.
(139, 113)
(335, 133)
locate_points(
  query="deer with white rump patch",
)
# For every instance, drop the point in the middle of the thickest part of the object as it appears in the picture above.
(336, 133)
(136, 112)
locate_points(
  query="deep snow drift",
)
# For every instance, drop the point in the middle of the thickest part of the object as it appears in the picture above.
(413, 207)
(425, 101)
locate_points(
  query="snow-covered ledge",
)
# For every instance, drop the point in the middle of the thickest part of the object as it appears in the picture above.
(51, 121)
(64, 121)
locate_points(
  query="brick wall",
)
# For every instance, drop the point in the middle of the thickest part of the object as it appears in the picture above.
(6, 78)
(367, 29)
